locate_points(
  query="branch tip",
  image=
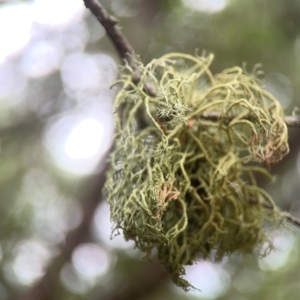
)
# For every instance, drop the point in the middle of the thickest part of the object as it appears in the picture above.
(109, 22)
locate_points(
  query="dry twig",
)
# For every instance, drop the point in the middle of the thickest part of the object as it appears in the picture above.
(291, 121)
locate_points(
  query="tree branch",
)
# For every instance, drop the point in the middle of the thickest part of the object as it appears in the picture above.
(287, 215)
(291, 218)
(120, 41)
(110, 24)
(290, 121)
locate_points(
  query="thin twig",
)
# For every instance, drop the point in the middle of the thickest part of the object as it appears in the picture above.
(291, 218)
(287, 215)
(109, 22)
(120, 41)
(290, 121)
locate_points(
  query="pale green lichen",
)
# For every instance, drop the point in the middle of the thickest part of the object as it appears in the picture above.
(182, 172)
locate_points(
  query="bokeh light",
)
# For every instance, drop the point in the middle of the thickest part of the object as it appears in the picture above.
(79, 140)
(14, 35)
(103, 231)
(210, 6)
(278, 258)
(42, 58)
(80, 72)
(84, 72)
(78, 143)
(73, 281)
(52, 213)
(85, 139)
(55, 13)
(91, 261)
(30, 259)
(91, 265)
(212, 280)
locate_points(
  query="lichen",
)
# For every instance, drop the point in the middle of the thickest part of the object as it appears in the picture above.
(182, 172)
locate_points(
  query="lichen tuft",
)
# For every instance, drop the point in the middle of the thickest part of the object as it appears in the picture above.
(182, 172)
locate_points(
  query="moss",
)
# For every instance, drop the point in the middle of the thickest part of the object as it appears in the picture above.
(182, 173)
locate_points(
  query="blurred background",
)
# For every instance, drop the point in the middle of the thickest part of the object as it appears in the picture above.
(56, 127)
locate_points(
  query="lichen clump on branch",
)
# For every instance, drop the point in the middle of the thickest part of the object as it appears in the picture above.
(182, 175)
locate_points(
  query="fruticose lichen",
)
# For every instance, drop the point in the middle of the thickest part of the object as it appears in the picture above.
(182, 172)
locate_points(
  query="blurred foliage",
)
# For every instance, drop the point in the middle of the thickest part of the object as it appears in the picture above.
(32, 188)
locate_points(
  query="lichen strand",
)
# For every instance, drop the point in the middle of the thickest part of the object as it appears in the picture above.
(182, 176)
